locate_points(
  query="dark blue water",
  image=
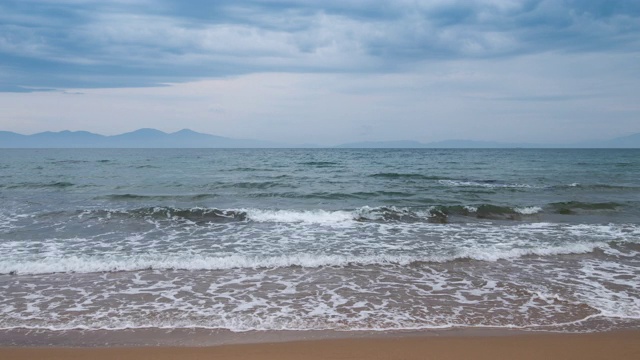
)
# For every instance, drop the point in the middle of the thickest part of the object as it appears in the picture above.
(319, 239)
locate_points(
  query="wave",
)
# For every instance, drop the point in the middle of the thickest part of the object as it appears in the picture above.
(530, 210)
(486, 184)
(54, 184)
(597, 186)
(190, 261)
(499, 184)
(306, 216)
(192, 214)
(362, 195)
(69, 161)
(155, 197)
(569, 207)
(626, 164)
(257, 215)
(487, 211)
(256, 185)
(406, 176)
(433, 214)
(320, 163)
(249, 169)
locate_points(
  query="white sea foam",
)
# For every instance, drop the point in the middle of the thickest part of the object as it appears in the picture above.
(276, 245)
(471, 209)
(292, 216)
(89, 264)
(344, 217)
(314, 270)
(616, 299)
(461, 183)
(528, 210)
(190, 261)
(326, 217)
(8, 221)
(365, 298)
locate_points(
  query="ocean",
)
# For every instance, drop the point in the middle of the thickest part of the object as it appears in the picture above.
(320, 239)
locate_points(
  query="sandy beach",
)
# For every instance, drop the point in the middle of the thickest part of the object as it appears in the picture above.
(615, 345)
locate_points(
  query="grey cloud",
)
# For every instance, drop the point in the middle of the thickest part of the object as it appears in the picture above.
(117, 43)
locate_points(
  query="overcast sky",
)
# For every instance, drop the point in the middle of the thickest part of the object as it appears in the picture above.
(324, 72)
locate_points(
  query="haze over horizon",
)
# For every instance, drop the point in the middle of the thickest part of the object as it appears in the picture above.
(509, 71)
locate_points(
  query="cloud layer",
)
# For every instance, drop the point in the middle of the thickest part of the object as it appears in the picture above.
(324, 72)
(118, 43)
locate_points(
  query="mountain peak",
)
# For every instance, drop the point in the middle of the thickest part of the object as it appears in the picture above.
(186, 131)
(147, 131)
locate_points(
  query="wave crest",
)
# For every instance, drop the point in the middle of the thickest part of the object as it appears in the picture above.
(189, 261)
(433, 214)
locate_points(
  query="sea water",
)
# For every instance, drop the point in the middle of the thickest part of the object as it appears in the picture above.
(319, 239)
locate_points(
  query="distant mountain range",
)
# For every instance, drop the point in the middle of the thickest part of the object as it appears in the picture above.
(447, 144)
(631, 141)
(142, 138)
(152, 138)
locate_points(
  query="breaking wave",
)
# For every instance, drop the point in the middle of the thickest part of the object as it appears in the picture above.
(439, 214)
(189, 261)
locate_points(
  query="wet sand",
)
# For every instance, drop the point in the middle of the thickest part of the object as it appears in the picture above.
(613, 345)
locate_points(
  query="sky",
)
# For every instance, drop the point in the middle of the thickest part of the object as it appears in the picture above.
(324, 72)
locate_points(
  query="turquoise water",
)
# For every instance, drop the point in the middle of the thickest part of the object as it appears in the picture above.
(319, 239)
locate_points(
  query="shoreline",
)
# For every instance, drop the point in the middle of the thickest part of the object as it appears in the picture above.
(484, 344)
(199, 337)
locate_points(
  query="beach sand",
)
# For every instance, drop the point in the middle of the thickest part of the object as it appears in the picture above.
(614, 345)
